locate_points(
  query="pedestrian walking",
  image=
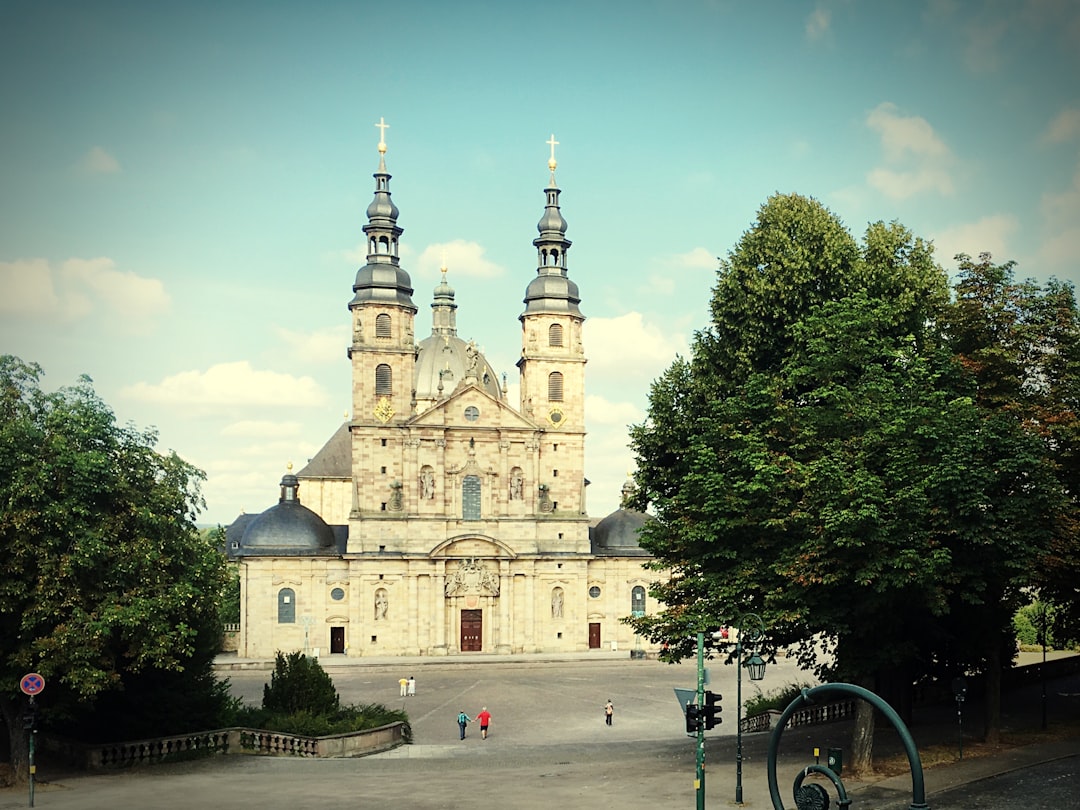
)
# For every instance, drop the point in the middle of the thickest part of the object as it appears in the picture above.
(609, 710)
(485, 720)
(404, 684)
(412, 686)
(462, 721)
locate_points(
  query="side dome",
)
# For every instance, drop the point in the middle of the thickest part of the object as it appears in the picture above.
(288, 529)
(618, 533)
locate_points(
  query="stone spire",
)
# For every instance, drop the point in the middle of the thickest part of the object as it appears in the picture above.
(382, 280)
(551, 291)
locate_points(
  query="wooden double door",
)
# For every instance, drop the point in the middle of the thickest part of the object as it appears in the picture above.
(472, 630)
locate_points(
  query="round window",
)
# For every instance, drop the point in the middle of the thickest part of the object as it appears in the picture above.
(472, 413)
(594, 591)
(337, 594)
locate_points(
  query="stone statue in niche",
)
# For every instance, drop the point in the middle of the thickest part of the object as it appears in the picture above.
(427, 484)
(517, 485)
(556, 603)
(381, 604)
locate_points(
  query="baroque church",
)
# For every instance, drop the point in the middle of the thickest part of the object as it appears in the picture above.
(440, 518)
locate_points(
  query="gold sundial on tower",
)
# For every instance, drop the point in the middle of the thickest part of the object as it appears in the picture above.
(384, 411)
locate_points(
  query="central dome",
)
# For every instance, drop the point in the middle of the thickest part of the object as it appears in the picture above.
(446, 361)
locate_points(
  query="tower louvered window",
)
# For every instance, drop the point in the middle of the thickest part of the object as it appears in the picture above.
(555, 335)
(382, 325)
(384, 380)
(555, 386)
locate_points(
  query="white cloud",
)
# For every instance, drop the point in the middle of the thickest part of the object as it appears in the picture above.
(231, 384)
(28, 288)
(461, 259)
(628, 351)
(1065, 126)
(987, 235)
(261, 428)
(817, 23)
(322, 346)
(899, 185)
(916, 159)
(902, 135)
(1061, 226)
(608, 457)
(666, 275)
(80, 288)
(98, 161)
(96, 284)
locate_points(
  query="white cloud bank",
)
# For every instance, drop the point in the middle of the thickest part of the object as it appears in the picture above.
(79, 288)
(461, 258)
(229, 385)
(916, 159)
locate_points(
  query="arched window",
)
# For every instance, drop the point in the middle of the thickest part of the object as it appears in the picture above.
(637, 601)
(470, 498)
(382, 325)
(555, 334)
(286, 606)
(384, 380)
(555, 386)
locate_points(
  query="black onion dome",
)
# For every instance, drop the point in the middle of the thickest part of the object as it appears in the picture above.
(619, 530)
(289, 528)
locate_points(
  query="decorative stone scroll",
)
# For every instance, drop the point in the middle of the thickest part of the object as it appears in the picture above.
(472, 577)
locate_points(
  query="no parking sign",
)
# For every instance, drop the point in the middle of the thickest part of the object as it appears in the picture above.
(32, 684)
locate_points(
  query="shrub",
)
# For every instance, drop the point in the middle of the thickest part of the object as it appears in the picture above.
(299, 684)
(777, 698)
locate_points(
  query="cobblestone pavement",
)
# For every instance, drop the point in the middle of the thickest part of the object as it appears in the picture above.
(548, 747)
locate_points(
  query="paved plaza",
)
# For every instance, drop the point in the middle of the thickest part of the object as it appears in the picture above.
(548, 746)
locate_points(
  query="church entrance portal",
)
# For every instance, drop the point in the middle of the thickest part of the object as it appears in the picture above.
(472, 630)
(594, 635)
(337, 639)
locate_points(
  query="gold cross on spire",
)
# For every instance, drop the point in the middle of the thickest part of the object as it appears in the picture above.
(553, 143)
(382, 126)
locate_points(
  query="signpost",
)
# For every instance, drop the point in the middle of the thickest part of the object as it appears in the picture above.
(32, 684)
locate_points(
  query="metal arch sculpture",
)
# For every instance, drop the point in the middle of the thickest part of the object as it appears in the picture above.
(813, 795)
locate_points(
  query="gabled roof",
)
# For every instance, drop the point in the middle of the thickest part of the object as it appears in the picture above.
(334, 460)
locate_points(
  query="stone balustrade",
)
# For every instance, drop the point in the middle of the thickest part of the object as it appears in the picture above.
(225, 741)
(806, 716)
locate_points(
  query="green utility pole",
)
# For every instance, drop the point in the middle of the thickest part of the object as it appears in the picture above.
(699, 781)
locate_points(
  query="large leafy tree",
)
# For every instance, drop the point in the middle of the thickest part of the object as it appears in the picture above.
(1020, 343)
(107, 588)
(812, 461)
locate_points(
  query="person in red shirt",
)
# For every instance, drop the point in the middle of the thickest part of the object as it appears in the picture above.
(485, 718)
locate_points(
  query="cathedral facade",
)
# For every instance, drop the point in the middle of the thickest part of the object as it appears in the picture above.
(440, 518)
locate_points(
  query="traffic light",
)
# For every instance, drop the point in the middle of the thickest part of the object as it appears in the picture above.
(30, 717)
(693, 718)
(711, 710)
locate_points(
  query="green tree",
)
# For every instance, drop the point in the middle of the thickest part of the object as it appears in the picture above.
(105, 583)
(1019, 342)
(810, 462)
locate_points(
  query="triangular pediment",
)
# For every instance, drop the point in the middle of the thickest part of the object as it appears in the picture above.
(489, 412)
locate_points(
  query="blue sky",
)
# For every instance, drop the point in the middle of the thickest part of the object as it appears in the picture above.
(183, 186)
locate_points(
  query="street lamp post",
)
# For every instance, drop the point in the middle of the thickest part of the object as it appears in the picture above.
(754, 633)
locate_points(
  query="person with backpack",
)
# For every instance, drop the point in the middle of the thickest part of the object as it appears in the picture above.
(462, 721)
